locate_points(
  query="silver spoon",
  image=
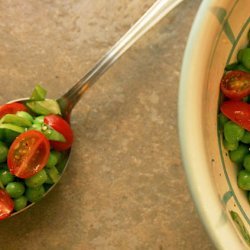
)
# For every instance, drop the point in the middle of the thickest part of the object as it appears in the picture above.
(67, 102)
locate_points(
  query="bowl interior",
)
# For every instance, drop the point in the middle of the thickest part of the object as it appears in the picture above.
(232, 37)
(219, 31)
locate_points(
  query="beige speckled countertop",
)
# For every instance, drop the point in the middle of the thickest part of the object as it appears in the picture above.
(125, 187)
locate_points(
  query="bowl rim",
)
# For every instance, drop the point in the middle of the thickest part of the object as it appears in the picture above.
(200, 180)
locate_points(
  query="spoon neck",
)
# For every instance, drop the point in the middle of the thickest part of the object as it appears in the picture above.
(157, 11)
(68, 101)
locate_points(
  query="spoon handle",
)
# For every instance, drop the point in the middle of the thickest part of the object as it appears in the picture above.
(154, 14)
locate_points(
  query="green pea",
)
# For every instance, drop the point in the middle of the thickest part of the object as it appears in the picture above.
(246, 99)
(243, 180)
(53, 159)
(10, 136)
(239, 55)
(4, 166)
(53, 175)
(246, 162)
(25, 115)
(243, 68)
(20, 203)
(232, 66)
(1, 134)
(62, 161)
(15, 189)
(238, 154)
(245, 57)
(246, 137)
(3, 152)
(233, 132)
(35, 194)
(39, 119)
(222, 119)
(230, 145)
(6, 177)
(49, 180)
(37, 179)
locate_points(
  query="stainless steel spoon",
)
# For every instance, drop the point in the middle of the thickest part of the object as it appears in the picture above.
(67, 102)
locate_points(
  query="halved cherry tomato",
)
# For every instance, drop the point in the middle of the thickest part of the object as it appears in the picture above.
(238, 112)
(6, 204)
(28, 154)
(236, 84)
(63, 127)
(12, 108)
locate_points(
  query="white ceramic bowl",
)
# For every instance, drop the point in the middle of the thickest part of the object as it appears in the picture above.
(219, 30)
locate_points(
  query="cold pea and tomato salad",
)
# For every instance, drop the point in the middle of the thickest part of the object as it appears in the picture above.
(34, 139)
(234, 115)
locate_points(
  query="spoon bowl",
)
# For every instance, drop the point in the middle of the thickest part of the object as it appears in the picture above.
(67, 102)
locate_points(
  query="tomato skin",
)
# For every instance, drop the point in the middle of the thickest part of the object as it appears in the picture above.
(12, 108)
(6, 204)
(238, 112)
(235, 84)
(28, 154)
(63, 127)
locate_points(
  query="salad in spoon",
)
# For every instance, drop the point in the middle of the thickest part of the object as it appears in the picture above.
(34, 138)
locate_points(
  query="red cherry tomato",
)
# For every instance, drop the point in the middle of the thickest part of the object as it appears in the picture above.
(28, 154)
(63, 127)
(238, 112)
(12, 108)
(236, 84)
(6, 204)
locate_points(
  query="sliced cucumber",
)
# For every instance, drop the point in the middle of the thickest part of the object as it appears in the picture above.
(38, 93)
(16, 120)
(10, 132)
(25, 115)
(52, 134)
(12, 127)
(45, 107)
